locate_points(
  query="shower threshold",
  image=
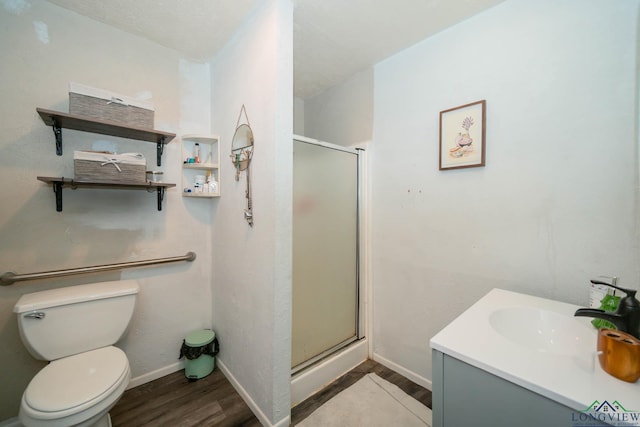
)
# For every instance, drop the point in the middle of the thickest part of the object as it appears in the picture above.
(327, 353)
(317, 374)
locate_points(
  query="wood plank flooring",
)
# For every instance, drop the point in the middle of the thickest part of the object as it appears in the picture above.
(173, 400)
(212, 401)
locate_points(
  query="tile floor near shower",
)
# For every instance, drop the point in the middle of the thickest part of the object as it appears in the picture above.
(175, 401)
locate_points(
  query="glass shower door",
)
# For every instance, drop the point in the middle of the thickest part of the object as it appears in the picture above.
(325, 251)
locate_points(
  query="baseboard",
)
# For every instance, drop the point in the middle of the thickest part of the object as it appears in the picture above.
(264, 420)
(11, 422)
(154, 375)
(418, 379)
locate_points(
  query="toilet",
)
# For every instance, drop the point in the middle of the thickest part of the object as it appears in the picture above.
(74, 328)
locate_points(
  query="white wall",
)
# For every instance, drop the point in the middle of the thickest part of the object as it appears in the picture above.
(556, 204)
(252, 266)
(342, 114)
(298, 116)
(43, 48)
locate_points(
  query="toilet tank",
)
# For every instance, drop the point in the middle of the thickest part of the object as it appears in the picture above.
(66, 321)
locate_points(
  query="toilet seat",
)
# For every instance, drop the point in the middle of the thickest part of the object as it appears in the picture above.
(77, 387)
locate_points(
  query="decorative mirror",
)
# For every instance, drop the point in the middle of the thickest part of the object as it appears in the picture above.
(241, 154)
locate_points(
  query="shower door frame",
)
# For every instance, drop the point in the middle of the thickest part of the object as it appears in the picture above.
(360, 317)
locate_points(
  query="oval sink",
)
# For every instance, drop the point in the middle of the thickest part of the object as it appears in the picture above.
(544, 331)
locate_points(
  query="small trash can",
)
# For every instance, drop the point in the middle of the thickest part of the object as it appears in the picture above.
(199, 348)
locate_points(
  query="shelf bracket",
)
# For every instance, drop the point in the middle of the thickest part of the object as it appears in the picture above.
(160, 150)
(57, 132)
(160, 197)
(57, 189)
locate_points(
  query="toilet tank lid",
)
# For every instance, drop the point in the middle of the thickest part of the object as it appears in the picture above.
(75, 294)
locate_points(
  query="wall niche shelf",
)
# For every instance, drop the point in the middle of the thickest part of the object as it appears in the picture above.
(59, 183)
(210, 155)
(58, 120)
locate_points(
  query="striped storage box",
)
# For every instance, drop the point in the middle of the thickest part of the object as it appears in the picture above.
(96, 166)
(109, 106)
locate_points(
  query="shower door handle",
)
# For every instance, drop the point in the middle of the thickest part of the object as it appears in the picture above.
(35, 315)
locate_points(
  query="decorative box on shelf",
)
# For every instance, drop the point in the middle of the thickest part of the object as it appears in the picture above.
(109, 106)
(97, 166)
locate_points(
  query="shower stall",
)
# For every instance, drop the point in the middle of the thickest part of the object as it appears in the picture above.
(328, 303)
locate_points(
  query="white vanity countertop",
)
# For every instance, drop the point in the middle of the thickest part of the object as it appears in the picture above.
(574, 381)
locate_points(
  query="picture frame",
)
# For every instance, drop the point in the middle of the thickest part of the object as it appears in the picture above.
(462, 136)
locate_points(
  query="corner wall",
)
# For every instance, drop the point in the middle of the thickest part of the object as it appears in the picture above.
(44, 47)
(342, 114)
(556, 204)
(252, 266)
(298, 116)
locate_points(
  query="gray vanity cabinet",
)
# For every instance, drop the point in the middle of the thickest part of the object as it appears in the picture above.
(464, 395)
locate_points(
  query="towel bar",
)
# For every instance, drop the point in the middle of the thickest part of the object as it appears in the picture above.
(10, 278)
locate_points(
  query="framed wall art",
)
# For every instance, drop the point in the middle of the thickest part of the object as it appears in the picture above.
(462, 136)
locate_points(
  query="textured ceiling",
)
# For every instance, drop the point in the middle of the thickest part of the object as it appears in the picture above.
(333, 39)
(197, 28)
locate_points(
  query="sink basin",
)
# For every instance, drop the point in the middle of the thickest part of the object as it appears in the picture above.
(531, 342)
(544, 331)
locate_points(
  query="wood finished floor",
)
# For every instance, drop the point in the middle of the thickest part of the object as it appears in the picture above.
(173, 400)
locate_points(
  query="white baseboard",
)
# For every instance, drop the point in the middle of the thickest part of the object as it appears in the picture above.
(154, 375)
(11, 422)
(264, 420)
(418, 379)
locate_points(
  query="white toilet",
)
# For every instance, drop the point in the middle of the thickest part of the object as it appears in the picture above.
(75, 328)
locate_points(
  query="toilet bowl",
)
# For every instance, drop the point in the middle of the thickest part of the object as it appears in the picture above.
(76, 390)
(88, 375)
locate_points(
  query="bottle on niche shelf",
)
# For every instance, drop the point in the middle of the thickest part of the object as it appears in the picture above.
(211, 185)
(196, 152)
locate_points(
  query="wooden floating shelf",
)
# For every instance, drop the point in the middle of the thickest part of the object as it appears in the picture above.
(58, 120)
(60, 183)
